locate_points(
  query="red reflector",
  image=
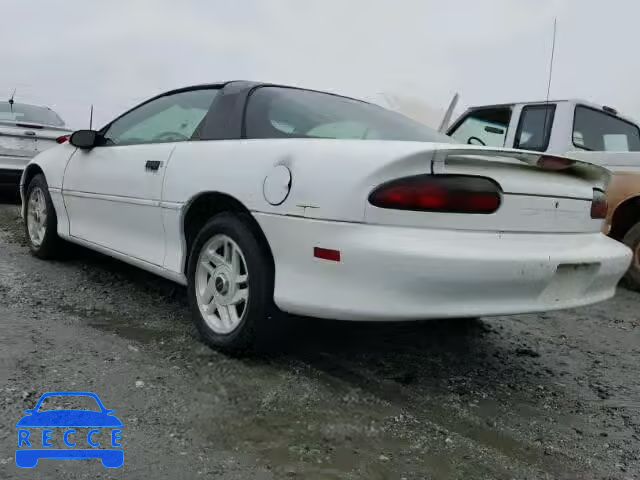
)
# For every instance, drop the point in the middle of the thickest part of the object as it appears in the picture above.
(439, 193)
(548, 162)
(599, 206)
(63, 139)
(326, 254)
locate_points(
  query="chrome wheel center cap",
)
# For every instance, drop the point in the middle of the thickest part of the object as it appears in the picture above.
(221, 282)
(223, 285)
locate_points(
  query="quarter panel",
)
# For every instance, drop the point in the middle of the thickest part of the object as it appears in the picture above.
(331, 179)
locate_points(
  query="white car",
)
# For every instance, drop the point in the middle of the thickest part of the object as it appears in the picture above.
(25, 130)
(263, 198)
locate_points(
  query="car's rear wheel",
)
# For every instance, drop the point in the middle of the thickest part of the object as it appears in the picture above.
(231, 284)
(632, 240)
(40, 221)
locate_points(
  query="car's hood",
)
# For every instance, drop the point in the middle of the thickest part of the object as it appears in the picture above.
(69, 418)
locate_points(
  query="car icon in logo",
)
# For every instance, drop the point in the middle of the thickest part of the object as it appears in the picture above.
(39, 428)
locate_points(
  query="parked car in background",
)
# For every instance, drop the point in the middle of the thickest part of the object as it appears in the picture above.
(263, 197)
(580, 130)
(25, 131)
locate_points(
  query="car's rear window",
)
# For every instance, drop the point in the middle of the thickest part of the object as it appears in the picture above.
(279, 112)
(596, 130)
(23, 113)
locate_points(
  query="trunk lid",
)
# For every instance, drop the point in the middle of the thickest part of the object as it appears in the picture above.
(15, 142)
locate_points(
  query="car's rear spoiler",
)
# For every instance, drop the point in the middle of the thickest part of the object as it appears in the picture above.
(598, 175)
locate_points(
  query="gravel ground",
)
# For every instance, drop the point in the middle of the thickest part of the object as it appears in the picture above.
(533, 396)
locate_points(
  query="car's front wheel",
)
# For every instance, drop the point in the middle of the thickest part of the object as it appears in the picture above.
(231, 284)
(40, 221)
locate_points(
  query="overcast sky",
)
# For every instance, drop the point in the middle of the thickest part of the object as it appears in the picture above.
(70, 53)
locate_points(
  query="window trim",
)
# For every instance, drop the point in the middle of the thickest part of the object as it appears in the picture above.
(103, 130)
(581, 105)
(451, 130)
(547, 133)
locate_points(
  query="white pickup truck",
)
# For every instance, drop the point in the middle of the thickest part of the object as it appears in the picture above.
(578, 129)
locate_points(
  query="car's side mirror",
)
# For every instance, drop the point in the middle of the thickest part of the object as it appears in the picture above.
(109, 411)
(85, 139)
(29, 410)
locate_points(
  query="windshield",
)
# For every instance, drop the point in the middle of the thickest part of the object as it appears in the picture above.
(23, 113)
(278, 112)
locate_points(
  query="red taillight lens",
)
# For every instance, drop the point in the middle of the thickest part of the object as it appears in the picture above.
(440, 193)
(599, 206)
(63, 139)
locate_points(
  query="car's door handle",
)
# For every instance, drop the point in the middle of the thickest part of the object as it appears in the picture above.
(153, 165)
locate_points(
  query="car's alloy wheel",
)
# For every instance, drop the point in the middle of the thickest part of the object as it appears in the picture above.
(40, 221)
(231, 277)
(37, 216)
(222, 287)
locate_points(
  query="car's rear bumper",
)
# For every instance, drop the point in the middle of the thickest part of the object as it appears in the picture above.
(392, 273)
(13, 162)
(11, 168)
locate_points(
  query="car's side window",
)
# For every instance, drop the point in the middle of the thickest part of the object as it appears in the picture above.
(170, 118)
(483, 126)
(534, 129)
(597, 130)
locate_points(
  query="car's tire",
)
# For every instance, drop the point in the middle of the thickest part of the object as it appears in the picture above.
(40, 221)
(632, 240)
(230, 265)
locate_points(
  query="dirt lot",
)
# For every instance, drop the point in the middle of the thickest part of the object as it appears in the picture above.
(534, 396)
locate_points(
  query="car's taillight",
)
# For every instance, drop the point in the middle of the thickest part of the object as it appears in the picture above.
(599, 205)
(63, 139)
(439, 193)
